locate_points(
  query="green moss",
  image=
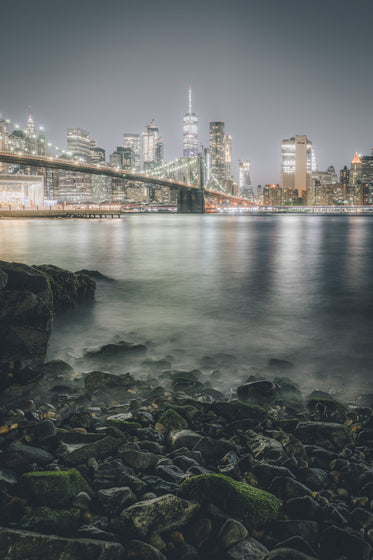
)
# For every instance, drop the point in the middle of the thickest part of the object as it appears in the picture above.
(53, 488)
(109, 446)
(254, 506)
(173, 420)
(125, 425)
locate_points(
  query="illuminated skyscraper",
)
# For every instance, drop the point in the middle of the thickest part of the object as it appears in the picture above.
(228, 156)
(31, 140)
(190, 131)
(217, 152)
(133, 141)
(152, 147)
(79, 143)
(355, 170)
(296, 163)
(244, 182)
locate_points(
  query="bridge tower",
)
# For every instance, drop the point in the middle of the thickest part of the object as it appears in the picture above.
(192, 201)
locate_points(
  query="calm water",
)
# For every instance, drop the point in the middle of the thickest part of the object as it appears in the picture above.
(297, 288)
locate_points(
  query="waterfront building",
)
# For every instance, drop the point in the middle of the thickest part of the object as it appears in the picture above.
(4, 134)
(101, 189)
(74, 187)
(245, 187)
(116, 160)
(31, 140)
(289, 197)
(126, 157)
(259, 194)
(42, 144)
(79, 144)
(17, 141)
(217, 152)
(328, 177)
(228, 158)
(190, 131)
(159, 151)
(296, 163)
(367, 169)
(272, 195)
(132, 141)
(355, 171)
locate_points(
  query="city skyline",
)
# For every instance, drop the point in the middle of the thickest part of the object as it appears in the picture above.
(264, 75)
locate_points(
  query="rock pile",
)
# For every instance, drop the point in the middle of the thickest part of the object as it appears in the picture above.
(168, 467)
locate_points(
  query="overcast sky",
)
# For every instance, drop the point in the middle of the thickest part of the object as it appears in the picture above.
(269, 69)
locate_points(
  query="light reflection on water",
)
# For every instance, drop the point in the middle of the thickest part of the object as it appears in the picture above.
(291, 287)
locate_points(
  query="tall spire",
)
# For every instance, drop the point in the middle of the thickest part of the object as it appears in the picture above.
(356, 159)
(190, 100)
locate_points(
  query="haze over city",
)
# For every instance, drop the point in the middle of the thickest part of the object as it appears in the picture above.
(268, 69)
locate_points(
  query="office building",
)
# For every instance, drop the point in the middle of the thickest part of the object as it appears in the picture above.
(74, 187)
(228, 157)
(244, 181)
(217, 153)
(132, 141)
(97, 155)
(79, 144)
(190, 131)
(355, 171)
(152, 148)
(323, 178)
(296, 163)
(344, 175)
(367, 169)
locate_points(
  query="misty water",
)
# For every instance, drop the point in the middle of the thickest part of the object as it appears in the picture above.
(295, 288)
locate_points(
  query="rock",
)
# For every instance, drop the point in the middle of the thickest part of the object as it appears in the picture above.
(236, 410)
(3, 279)
(171, 420)
(336, 542)
(287, 488)
(160, 486)
(8, 480)
(57, 367)
(298, 543)
(288, 394)
(361, 518)
(47, 520)
(118, 351)
(18, 456)
(16, 544)
(184, 438)
(82, 501)
(326, 410)
(68, 288)
(115, 499)
(315, 479)
(231, 532)
(239, 499)
(100, 449)
(214, 449)
(304, 508)
(277, 364)
(24, 278)
(138, 460)
(184, 551)
(171, 473)
(143, 551)
(257, 392)
(53, 488)
(161, 514)
(338, 435)
(287, 554)
(308, 530)
(198, 531)
(248, 549)
(96, 380)
(44, 430)
(266, 473)
(266, 448)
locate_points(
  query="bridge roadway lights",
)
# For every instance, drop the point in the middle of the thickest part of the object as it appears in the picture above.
(191, 201)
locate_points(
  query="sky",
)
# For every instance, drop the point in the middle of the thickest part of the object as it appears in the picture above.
(270, 69)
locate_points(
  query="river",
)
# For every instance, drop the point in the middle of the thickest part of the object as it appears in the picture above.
(291, 287)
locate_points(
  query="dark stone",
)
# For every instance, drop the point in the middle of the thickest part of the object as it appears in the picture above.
(171, 473)
(17, 456)
(266, 473)
(315, 479)
(138, 460)
(47, 520)
(57, 367)
(277, 364)
(287, 488)
(361, 518)
(118, 351)
(288, 394)
(143, 551)
(304, 508)
(44, 430)
(184, 551)
(298, 543)
(95, 380)
(160, 486)
(249, 548)
(231, 532)
(336, 542)
(212, 450)
(115, 499)
(338, 435)
(287, 554)
(184, 438)
(257, 391)
(308, 530)
(3, 279)
(26, 544)
(198, 531)
(92, 532)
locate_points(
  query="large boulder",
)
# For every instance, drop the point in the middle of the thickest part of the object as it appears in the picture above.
(53, 488)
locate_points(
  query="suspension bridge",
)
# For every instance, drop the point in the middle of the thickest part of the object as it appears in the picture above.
(184, 176)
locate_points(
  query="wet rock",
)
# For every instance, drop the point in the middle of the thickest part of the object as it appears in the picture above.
(326, 409)
(18, 456)
(100, 449)
(288, 394)
(143, 551)
(236, 498)
(315, 479)
(170, 473)
(138, 460)
(26, 544)
(57, 367)
(298, 543)
(336, 542)
(160, 514)
(249, 548)
(288, 488)
(266, 473)
(184, 551)
(95, 380)
(8, 480)
(44, 430)
(160, 486)
(24, 278)
(82, 501)
(91, 531)
(47, 520)
(306, 529)
(257, 392)
(266, 448)
(199, 531)
(115, 499)
(231, 532)
(118, 351)
(53, 488)
(338, 435)
(3, 279)
(184, 438)
(279, 365)
(304, 508)
(171, 420)
(361, 518)
(214, 449)
(236, 410)
(287, 554)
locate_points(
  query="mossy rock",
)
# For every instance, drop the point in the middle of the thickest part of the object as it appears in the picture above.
(172, 420)
(124, 425)
(331, 404)
(47, 520)
(53, 488)
(254, 506)
(108, 446)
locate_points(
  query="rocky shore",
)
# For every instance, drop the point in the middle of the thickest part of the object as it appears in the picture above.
(168, 465)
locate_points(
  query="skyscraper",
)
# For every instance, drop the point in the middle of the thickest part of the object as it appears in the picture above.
(152, 147)
(97, 154)
(79, 143)
(217, 152)
(244, 182)
(296, 163)
(228, 156)
(355, 170)
(31, 140)
(190, 131)
(133, 141)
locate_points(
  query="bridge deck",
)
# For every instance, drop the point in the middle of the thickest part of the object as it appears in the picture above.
(71, 213)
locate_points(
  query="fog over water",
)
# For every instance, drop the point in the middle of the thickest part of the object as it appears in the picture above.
(297, 288)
